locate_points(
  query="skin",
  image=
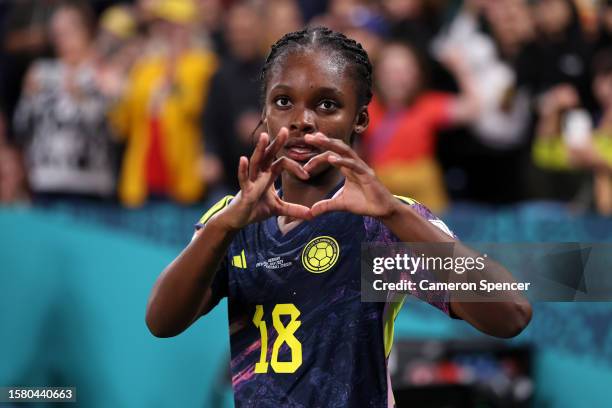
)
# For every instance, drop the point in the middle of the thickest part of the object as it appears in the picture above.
(552, 17)
(72, 43)
(70, 36)
(311, 103)
(399, 79)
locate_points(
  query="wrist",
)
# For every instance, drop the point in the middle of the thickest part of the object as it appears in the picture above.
(393, 210)
(227, 221)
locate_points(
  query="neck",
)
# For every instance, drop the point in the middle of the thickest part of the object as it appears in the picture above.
(307, 193)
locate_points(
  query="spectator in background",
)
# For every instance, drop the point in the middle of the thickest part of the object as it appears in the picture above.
(343, 15)
(491, 37)
(412, 21)
(604, 34)
(61, 118)
(560, 53)
(118, 45)
(233, 111)
(158, 115)
(211, 22)
(491, 57)
(24, 39)
(281, 17)
(404, 119)
(566, 140)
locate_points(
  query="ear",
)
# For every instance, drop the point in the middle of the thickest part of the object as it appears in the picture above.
(362, 120)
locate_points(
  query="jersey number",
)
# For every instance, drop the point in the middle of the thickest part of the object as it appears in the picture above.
(285, 335)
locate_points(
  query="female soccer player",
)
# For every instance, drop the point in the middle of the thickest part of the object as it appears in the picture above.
(288, 260)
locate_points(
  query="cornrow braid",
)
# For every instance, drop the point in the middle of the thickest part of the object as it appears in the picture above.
(349, 49)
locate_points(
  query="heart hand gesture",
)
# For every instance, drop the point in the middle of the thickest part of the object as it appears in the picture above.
(257, 199)
(362, 192)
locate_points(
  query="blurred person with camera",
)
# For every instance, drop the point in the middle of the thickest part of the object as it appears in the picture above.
(571, 139)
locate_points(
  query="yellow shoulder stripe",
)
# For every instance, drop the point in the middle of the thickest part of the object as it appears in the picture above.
(389, 323)
(221, 204)
(407, 200)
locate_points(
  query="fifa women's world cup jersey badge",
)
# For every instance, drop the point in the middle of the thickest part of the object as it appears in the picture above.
(320, 254)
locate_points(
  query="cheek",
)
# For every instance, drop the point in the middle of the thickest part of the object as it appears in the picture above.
(337, 126)
(274, 121)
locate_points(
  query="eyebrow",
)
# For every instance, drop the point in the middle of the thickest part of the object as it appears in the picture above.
(325, 89)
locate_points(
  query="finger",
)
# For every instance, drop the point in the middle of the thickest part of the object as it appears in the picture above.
(351, 164)
(318, 160)
(243, 171)
(335, 145)
(293, 210)
(290, 165)
(323, 206)
(276, 145)
(257, 156)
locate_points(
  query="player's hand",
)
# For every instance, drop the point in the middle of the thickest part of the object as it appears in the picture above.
(257, 199)
(362, 192)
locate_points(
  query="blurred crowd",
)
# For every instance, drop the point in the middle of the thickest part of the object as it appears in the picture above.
(492, 101)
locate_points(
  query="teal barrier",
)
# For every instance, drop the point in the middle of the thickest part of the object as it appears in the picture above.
(72, 306)
(73, 297)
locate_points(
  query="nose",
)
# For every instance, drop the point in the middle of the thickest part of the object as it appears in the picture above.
(303, 121)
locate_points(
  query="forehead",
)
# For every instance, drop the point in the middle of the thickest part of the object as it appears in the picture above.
(66, 16)
(397, 54)
(313, 68)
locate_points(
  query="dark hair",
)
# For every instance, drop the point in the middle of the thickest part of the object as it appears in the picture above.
(348, 48)
(323, 37)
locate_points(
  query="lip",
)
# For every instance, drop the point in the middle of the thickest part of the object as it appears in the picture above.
(300, 151)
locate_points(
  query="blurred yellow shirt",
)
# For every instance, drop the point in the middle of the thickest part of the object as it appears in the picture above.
(179, 114)
(552, 153)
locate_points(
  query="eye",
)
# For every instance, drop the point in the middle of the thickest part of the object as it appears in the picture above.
(282, 102)
(328, 105)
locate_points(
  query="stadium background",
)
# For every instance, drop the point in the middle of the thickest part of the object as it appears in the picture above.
(76, 267)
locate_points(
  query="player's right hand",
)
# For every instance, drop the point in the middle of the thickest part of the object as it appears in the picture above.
(257, 199)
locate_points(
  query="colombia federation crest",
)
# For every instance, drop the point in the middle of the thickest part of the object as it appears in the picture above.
(320, 254)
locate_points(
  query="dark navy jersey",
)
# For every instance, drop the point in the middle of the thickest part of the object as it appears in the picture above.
(300, 335)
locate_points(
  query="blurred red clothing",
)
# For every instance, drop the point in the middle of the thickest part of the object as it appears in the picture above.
(408, 134)
(156, 166)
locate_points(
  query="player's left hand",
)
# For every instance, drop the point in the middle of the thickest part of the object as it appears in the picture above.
(362, 193)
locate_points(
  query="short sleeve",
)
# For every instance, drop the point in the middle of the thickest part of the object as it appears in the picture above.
(377, 232)
(219, 286)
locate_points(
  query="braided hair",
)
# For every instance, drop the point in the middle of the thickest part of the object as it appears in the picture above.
(350, 50)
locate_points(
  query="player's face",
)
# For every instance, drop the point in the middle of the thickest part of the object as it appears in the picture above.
(311, 91)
